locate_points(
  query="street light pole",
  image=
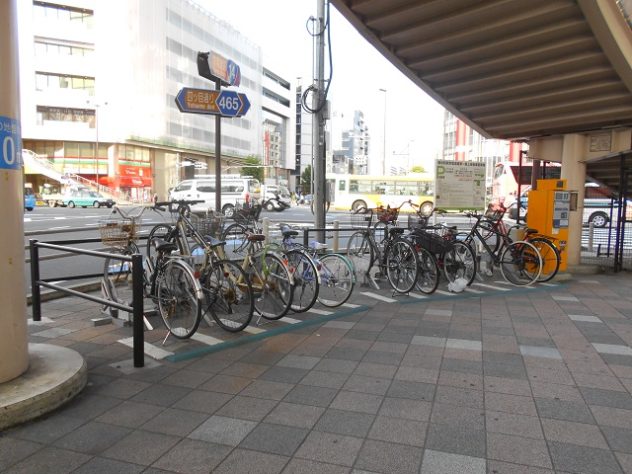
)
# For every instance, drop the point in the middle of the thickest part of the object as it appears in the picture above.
(384, 135)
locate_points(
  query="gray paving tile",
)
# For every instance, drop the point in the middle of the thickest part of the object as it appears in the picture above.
(174, 422)
(346, 353)
(275, 439)
(545, 352)
(466, 366)
(43, 430)
(187, 378)
(418, 410)
(574, 433)
(92, 438)
(337, 449)
(87, 407)
(141, 447)
(564, 410)
(607, 398)
(437, 462)
(202, 401)
(108, 466)
(50, 459)
(224, 383)
(247, 408)
(456, 439)
(290, 414)
(319, 378)
(379, 456)
(370, 369)
(267, 389)
(513, 424)
(299, 362)
(465, 344)
(429, 341)
(243, 460)
(572, 458)
(356, 401)
(303, 466)
(364, 384)
(515, 449)
(123, 388)
(510, 403)
(337, 365)
(466, 417)
(308, 395)
(130, 414)
(585, 318)
(619, 439)
(413, 390)
(163, 395)
(283, 374)
(397, 430)
(345, 423)
(383, 357)
(222, 430)
(439, 312)
(615, 349)
(339, 325)
(14, 450)
(192, 456)
(459, 396)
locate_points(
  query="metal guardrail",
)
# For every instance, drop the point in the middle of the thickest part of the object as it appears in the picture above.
(136, 308)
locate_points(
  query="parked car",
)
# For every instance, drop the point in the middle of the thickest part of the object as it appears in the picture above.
(29, 199)
(86, 198)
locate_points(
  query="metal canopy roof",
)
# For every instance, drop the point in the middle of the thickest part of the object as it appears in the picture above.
(511, 69)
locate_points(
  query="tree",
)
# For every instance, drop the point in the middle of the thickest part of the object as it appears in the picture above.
(418, 169)
(252, 167)
(306, 180)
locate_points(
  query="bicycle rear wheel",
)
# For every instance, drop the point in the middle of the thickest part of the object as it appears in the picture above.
(401, 266)
(306, 280)
(550, 257)
(275, 285)
(236, 241)
(228, 295)
(336, 280)
(360, 252)
(117, 277)
(428, 273)
(459, 262)
(520, 263)
(158, 232)
(179, 299)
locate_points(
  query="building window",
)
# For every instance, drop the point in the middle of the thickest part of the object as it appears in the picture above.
(46, 81)
(62, 13)
(44, 48)
(64, 114)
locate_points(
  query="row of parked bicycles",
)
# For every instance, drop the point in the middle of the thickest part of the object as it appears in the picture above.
(413, 258)
(197, 268)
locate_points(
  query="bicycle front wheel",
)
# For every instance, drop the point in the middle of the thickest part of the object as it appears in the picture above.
(236, 241)
(360, 253)
(459, 262)
(550, 258)
(275, 285)
(157, 233)
(520, 263)
(179, 299)
(306, 280)
(228, 295)
(336, 280)
(428, 274)
(401, 266)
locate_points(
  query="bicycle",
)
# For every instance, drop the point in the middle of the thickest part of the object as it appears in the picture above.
(397, 260)
(519, 261)
(169, 281)
(337, 278)
(227, 292)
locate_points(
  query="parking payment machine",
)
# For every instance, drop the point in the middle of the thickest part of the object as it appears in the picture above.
(549, 210)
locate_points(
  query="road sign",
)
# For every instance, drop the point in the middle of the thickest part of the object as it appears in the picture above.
(10, 144)
(214, 66)
(201, 101)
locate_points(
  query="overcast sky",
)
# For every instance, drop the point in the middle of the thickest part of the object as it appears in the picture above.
(413, 120)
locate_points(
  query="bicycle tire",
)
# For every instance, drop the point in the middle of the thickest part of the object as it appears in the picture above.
(306, 280)
(337, 280)
(179, 298)
(228, 295)
(361, 253)
(116, 277)
(550, 255)
(235, 236)
(275, 296)
(428, 273)
(401, 265)
(459, 262)
(520, 263)
(380, 233)
(158, 232)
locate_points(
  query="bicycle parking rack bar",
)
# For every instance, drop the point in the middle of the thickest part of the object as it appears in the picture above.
(136, 308)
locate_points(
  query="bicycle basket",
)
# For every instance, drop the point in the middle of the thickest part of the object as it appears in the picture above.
(360, 219)
(117, 233)
(495, 212)
(431, 242)
(388, 215)
(415, 221)
(211, 225)
(247, 213)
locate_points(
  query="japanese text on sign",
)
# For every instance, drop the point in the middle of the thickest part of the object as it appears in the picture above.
(10, 144)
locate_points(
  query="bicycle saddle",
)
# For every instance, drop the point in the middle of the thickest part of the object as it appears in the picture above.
(256, 238)
(396, 231)
(318, 245)
(530, 231)
(289, 232)
(164, 246)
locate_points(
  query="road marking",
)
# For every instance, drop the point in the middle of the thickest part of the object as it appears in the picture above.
(151, 350)
(27, 219)
(253, 330)
(591, 282)
(204, 339)
(285, 319)
(472, 290)
(491, 287)
(502, 282)
(322, 312)
(416, 296)
(350, 305)
(58, 228)
(60, 218)
(446, 293)
(44, 320)
(378, 297)
(549, 284)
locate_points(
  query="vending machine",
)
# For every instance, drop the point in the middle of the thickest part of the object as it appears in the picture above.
(549, 209)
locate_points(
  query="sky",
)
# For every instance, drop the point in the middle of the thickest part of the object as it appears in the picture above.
(414, 121)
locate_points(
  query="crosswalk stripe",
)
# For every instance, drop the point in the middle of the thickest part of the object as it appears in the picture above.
(149, 349)
(285, 319)
(253, 330)
(350, 305)
(322, 312)
(548, 284)
(378, 297)
(491, 287)
(204, 339)
(44, 320)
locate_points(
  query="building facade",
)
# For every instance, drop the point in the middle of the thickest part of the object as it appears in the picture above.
(355, 145)
(98, 85)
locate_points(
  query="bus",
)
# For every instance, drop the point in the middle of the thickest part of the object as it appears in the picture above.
(505, 180)
(348, 191)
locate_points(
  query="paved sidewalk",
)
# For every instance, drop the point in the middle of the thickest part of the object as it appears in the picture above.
(529, 382)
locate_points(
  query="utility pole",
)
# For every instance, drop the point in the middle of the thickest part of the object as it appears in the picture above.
(318, 126)
(384, 135)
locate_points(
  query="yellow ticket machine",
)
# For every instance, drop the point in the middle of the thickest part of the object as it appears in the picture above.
(548, 212)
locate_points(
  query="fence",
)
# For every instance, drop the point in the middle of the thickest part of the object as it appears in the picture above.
(600, 246)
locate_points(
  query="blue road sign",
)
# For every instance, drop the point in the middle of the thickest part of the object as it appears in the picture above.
(10, 144)
(232, 104)
(201, 101)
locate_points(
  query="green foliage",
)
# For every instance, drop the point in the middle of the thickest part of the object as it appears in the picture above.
(306, 180)
(252, 167)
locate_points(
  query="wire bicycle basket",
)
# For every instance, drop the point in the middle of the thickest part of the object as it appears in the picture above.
(118, 232)
(361, 219)
(432, 242)
(387, 214)
(210, 225)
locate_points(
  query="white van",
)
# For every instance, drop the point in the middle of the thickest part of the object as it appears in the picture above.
(235, 189)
